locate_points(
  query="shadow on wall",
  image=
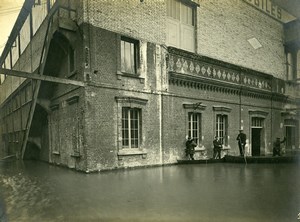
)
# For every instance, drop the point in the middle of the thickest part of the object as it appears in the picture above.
(32, 151)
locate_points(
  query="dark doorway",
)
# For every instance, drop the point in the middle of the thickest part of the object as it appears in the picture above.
(256, 138)
(290, 137)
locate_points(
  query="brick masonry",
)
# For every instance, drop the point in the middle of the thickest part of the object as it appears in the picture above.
(93, 112)
(224, 28)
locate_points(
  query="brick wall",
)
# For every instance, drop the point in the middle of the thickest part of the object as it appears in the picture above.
(103, 111)
(102, 122)
(140, 20)
(224, 28)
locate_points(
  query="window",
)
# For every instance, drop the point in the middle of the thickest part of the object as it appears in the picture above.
(181, 25)
(130, 127)
(291, 128)
(257, 122)
(222, 128)
(129, 55)
(194, 130)
(71, 60)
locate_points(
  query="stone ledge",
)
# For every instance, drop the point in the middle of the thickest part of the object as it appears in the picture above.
(131, 152)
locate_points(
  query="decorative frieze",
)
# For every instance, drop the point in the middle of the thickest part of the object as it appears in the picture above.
(185, 65)
(192, 70)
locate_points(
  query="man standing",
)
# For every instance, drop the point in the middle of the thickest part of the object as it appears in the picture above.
(217, 148)
(241, 138)
(190, 148)
(276, 146)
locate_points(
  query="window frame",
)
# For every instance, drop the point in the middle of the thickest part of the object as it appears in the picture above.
(131, 114)
(224, 111)
(133, 103)
(191, 126)
(136, 55)
(224, 123)
(71, 61)
(195, 108)
(176, 25)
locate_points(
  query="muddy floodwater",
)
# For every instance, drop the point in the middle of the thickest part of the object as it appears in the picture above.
(36, 191)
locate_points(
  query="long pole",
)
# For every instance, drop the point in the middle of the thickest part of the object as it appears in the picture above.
(240, 98)
(245, 153)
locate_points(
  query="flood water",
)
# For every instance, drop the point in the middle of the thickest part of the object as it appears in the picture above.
(35, 191)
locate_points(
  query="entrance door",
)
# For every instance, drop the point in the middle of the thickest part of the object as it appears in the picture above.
(256, 138)
(290, 137)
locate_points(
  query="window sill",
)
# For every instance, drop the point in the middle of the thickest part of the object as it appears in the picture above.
(200, 149)
(131, 152)
(56, 153)
(120, 75)
(226, 148)
(76, 155)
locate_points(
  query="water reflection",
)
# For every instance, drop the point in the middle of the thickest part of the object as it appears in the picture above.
(35, 191)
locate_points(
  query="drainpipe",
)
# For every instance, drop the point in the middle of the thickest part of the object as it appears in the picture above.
(88, 32)
(161, 128)
(240, 101)
(162, 70)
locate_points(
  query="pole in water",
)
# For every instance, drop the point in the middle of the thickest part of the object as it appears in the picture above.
(245, 155)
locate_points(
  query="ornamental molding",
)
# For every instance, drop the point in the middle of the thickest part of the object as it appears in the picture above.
(289, 114)
(130, 100)
(258, 113)
(205, 84)
(222, 109)
(194, 106)
(217, 72)
(192, 64)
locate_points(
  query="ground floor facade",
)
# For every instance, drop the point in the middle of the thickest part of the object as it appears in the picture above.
(125, 129)
(101, 127)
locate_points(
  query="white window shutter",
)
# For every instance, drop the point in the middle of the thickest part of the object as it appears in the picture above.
(187, 38)
(173, 33)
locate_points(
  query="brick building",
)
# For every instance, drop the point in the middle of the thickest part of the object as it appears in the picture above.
(97, 85)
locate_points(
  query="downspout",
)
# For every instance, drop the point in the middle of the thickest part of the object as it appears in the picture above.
(161, 110)
(86, 5)
(240, 101)
(161, 128)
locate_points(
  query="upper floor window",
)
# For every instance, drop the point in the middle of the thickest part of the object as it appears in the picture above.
(194, 130)
(181, 24)
(222, 128)
(129, 55)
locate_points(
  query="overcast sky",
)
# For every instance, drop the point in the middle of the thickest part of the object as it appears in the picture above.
(9, 11)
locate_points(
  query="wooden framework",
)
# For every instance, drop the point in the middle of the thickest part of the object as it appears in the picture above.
(36, 76)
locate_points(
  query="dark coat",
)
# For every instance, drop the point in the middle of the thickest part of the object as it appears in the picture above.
(241, 138)
(217, 144)
(190, 146)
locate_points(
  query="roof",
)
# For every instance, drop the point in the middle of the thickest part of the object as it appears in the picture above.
(291, 6)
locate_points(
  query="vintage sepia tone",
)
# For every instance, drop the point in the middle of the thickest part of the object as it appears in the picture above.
(115, 84)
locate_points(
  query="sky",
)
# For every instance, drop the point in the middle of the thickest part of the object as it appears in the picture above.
(9, 11)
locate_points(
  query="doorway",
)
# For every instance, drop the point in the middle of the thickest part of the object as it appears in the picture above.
(290, 137)
(256, 141)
